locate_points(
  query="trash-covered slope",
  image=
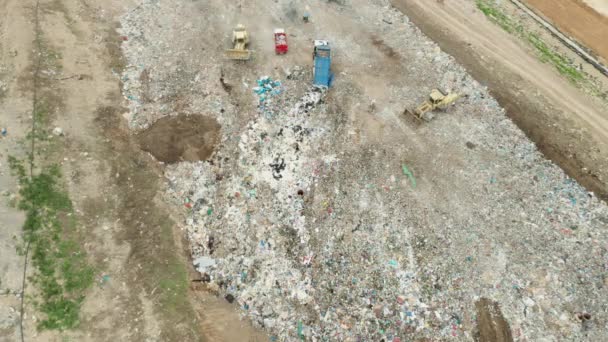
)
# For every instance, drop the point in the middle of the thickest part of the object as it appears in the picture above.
(330, 216)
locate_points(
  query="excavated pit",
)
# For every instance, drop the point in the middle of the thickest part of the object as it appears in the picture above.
(179, 138)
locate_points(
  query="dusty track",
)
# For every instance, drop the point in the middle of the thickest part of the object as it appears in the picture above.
(601, 6)
(567, 125)
(577, 19)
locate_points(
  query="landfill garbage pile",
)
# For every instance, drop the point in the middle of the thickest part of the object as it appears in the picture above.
(274, 259)
(322, 229)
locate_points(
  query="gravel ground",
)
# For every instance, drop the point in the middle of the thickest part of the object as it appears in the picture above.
(330, 216)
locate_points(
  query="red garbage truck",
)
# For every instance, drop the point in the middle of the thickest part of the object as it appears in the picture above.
(280, 42)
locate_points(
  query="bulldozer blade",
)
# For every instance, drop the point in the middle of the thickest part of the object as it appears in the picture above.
(412, 118)
(242, 55)
(408, 112)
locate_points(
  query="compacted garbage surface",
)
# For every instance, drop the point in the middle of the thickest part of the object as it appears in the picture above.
(328, 215)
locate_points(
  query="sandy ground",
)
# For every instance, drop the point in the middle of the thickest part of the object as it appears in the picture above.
(14, 118)
(108, 180)
(599, 5)
(578, 20)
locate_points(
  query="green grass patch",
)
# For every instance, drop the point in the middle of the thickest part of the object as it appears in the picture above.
(561, 63)
(174, 286)
(170, 274)
(494, 13)
(62, 273)
(546, 53)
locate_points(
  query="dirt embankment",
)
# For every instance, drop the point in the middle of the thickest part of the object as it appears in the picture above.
(578, 20)
(569, 127)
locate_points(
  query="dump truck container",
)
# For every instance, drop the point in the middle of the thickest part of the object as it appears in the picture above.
(322, 76)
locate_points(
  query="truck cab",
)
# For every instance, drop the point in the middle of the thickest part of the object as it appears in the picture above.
(322, 76)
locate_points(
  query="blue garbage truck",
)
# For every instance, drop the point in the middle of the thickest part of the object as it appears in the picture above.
(322, 76)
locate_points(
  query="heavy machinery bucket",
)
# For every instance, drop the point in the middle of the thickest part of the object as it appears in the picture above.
(235, 54)
(420, 116)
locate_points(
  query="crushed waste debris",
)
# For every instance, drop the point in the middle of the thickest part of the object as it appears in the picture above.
(308, 219)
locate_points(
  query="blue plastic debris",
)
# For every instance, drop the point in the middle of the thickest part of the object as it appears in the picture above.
(301, 330)
(267, 88)
(409, 174)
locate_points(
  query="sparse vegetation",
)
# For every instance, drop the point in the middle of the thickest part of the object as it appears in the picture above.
(62, 273)
(546, 53)
(494, 13)
(50, 238)
(561, 63)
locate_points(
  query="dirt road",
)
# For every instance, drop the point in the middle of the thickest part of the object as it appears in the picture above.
(601, 6)
(578, 20)
(570, 127)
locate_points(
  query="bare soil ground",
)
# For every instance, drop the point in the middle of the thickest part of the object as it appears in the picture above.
(568, 126)
(601, 6)
(577, 19)
(142, 289)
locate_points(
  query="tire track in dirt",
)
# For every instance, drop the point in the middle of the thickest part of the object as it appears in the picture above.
(36, 77)
(16, 37)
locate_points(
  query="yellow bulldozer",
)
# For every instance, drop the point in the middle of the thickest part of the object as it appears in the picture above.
(437, 99)
(240, 40)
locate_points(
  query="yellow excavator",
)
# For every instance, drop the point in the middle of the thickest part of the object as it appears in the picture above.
(240, 40)
(437, 99)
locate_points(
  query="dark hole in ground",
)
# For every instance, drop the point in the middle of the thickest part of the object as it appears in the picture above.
(181, 138)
